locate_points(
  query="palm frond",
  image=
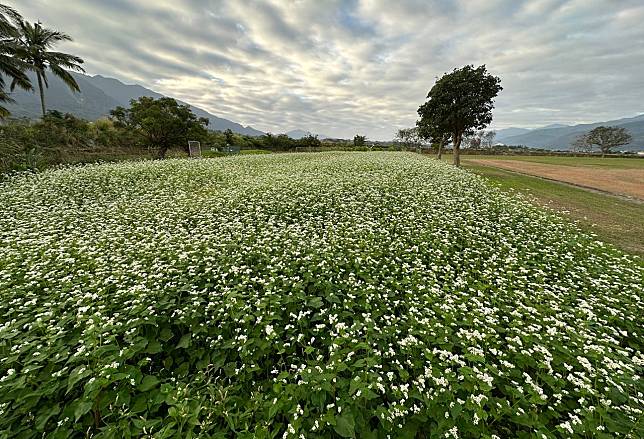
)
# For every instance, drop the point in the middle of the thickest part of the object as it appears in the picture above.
(14, 69)
(4, 97)
(65, 60)
(51, 37)
(37, 35)
(21, 81)
(9, 18)
(9, 13)
(65, 76)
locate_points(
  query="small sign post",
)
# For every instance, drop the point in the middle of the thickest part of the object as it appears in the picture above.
(194, 149)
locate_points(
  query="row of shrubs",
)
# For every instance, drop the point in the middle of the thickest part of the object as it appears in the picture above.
(65, 139)
(60, 138)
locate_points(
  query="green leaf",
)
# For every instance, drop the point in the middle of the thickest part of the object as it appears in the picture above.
(82, 408)
(345, 425)
(140, 404)
(154, 347)
(166, 334)
(76, 375)
(184, 342)
(354, 386)
(41, 421)
(149, 382)
(318, 398)
(316, 302)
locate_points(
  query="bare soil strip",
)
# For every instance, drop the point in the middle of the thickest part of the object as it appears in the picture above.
(625, 182)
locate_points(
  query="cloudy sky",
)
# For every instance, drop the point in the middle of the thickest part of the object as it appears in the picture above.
(364, 66)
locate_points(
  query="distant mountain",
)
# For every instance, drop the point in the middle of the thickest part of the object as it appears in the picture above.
(561, 137)
(92, 103)
(98, 96)
(123, 93)
(509, 132)
(298, 134)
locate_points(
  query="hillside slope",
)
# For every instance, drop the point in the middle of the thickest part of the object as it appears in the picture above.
(98, 96)
(563, 136)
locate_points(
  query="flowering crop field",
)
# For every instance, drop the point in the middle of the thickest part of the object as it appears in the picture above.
(367, 295)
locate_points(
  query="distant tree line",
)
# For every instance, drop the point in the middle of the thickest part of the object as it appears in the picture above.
(148, 128)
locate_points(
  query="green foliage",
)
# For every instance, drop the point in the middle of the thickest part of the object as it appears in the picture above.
(162, 123)
(458, 103)
(325, 295)
(62, 138)
(309, 141)
(359, 141)
(230, 137)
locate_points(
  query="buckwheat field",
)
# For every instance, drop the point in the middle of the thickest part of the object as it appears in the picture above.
(371, 295)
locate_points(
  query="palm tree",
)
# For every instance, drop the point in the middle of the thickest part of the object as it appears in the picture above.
(33, 49)
(10, 66)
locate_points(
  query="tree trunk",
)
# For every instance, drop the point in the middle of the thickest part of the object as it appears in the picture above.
(42, 93)
(440, 149)
(457, 150)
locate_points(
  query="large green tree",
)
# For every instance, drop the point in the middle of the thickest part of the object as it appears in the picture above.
(459, 103)
(33, 47)
(604, 138)
(162, 123)
(10, 66)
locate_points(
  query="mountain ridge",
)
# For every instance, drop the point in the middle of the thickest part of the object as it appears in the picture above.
(561, 137)
(100, 94)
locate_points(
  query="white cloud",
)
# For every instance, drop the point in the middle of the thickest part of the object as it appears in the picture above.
(347, 67)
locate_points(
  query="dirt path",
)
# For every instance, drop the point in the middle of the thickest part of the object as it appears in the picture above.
(628, 182)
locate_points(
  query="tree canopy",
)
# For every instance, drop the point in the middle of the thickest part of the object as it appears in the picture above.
(603, 138)
(459, 103)
(359, 140)
(162, 123)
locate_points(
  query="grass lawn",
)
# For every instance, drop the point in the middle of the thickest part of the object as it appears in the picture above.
(595, 162)
(614, 220)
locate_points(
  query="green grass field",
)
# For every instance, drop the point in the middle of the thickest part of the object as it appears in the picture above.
(614, 220)
(596, 162)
